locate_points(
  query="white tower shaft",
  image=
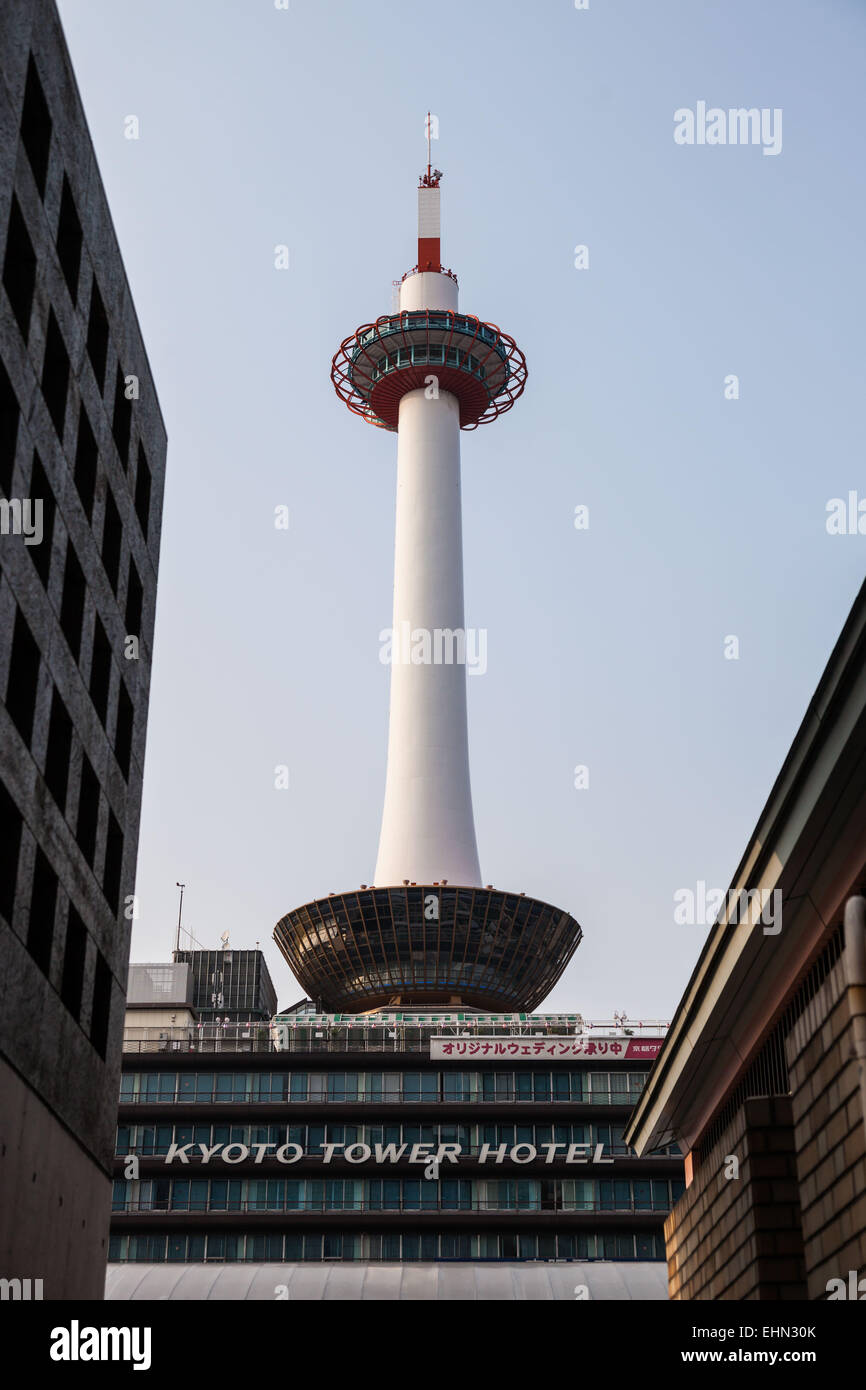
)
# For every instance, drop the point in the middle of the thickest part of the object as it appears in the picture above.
(428, 829)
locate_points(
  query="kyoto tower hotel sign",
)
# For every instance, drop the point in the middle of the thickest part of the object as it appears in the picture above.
(427, 931)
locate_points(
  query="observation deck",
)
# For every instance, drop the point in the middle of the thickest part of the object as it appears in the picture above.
(475, 361)
(427, 944)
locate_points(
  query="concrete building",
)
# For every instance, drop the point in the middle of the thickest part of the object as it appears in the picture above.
(82, 464)
(158, 999)
(765, 1060)
(230, 984)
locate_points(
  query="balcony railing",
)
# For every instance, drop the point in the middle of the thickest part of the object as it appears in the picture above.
(171, 1097)
(413, 1205)
(324, 1034)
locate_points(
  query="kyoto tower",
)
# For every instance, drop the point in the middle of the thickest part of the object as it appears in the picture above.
(427, 932)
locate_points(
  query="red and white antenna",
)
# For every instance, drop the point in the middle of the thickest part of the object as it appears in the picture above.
(429, 246)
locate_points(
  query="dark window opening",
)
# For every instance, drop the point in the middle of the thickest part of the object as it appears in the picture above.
(9, 415)
(111, 535)
(40, 491)
(134, 599)
(73, 963)
(36, 126)
(101, 1011)
(59, 751)
(69, 240)
(123, 736)
(121, 420)
(43, 902)
(10, 848)
(88, 812)
(72, 602)
(97, 335)
(113, 863)
(19, 268)
(100, 670)
(142, 491)
(85, 463)
(23, 678)
(55, 374)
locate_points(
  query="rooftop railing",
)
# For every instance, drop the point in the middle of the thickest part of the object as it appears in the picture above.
(330, 1033)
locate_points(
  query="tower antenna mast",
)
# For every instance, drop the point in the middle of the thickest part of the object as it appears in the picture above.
(428, 147)
(181, 886)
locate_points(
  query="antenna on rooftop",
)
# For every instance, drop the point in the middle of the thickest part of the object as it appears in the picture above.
(181, 886)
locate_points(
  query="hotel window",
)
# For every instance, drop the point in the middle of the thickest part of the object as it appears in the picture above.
(497, 1084)
(180, 1194)
(455, 1194)
(579, 1091)
(460, 1085)
(420, 1085)
(561, 1086)
(642, 1194)
(614, 1195)
(233, 1086)
(342, 1086)
(599, 1087)
(198, 1194)
(541, 1085)
(384, 1086)
(637, 1081)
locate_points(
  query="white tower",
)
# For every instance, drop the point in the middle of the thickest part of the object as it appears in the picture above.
(427, 933)
(427, 372)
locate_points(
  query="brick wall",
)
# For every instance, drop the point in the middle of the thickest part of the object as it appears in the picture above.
(829, 1134)
(740, 1238)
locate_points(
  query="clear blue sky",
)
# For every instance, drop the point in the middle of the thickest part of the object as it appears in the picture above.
(707, 517)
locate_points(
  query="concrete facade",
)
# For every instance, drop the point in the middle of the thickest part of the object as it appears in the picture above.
(81, 433)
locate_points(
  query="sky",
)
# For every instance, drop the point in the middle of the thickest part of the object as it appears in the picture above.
(608, 647)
